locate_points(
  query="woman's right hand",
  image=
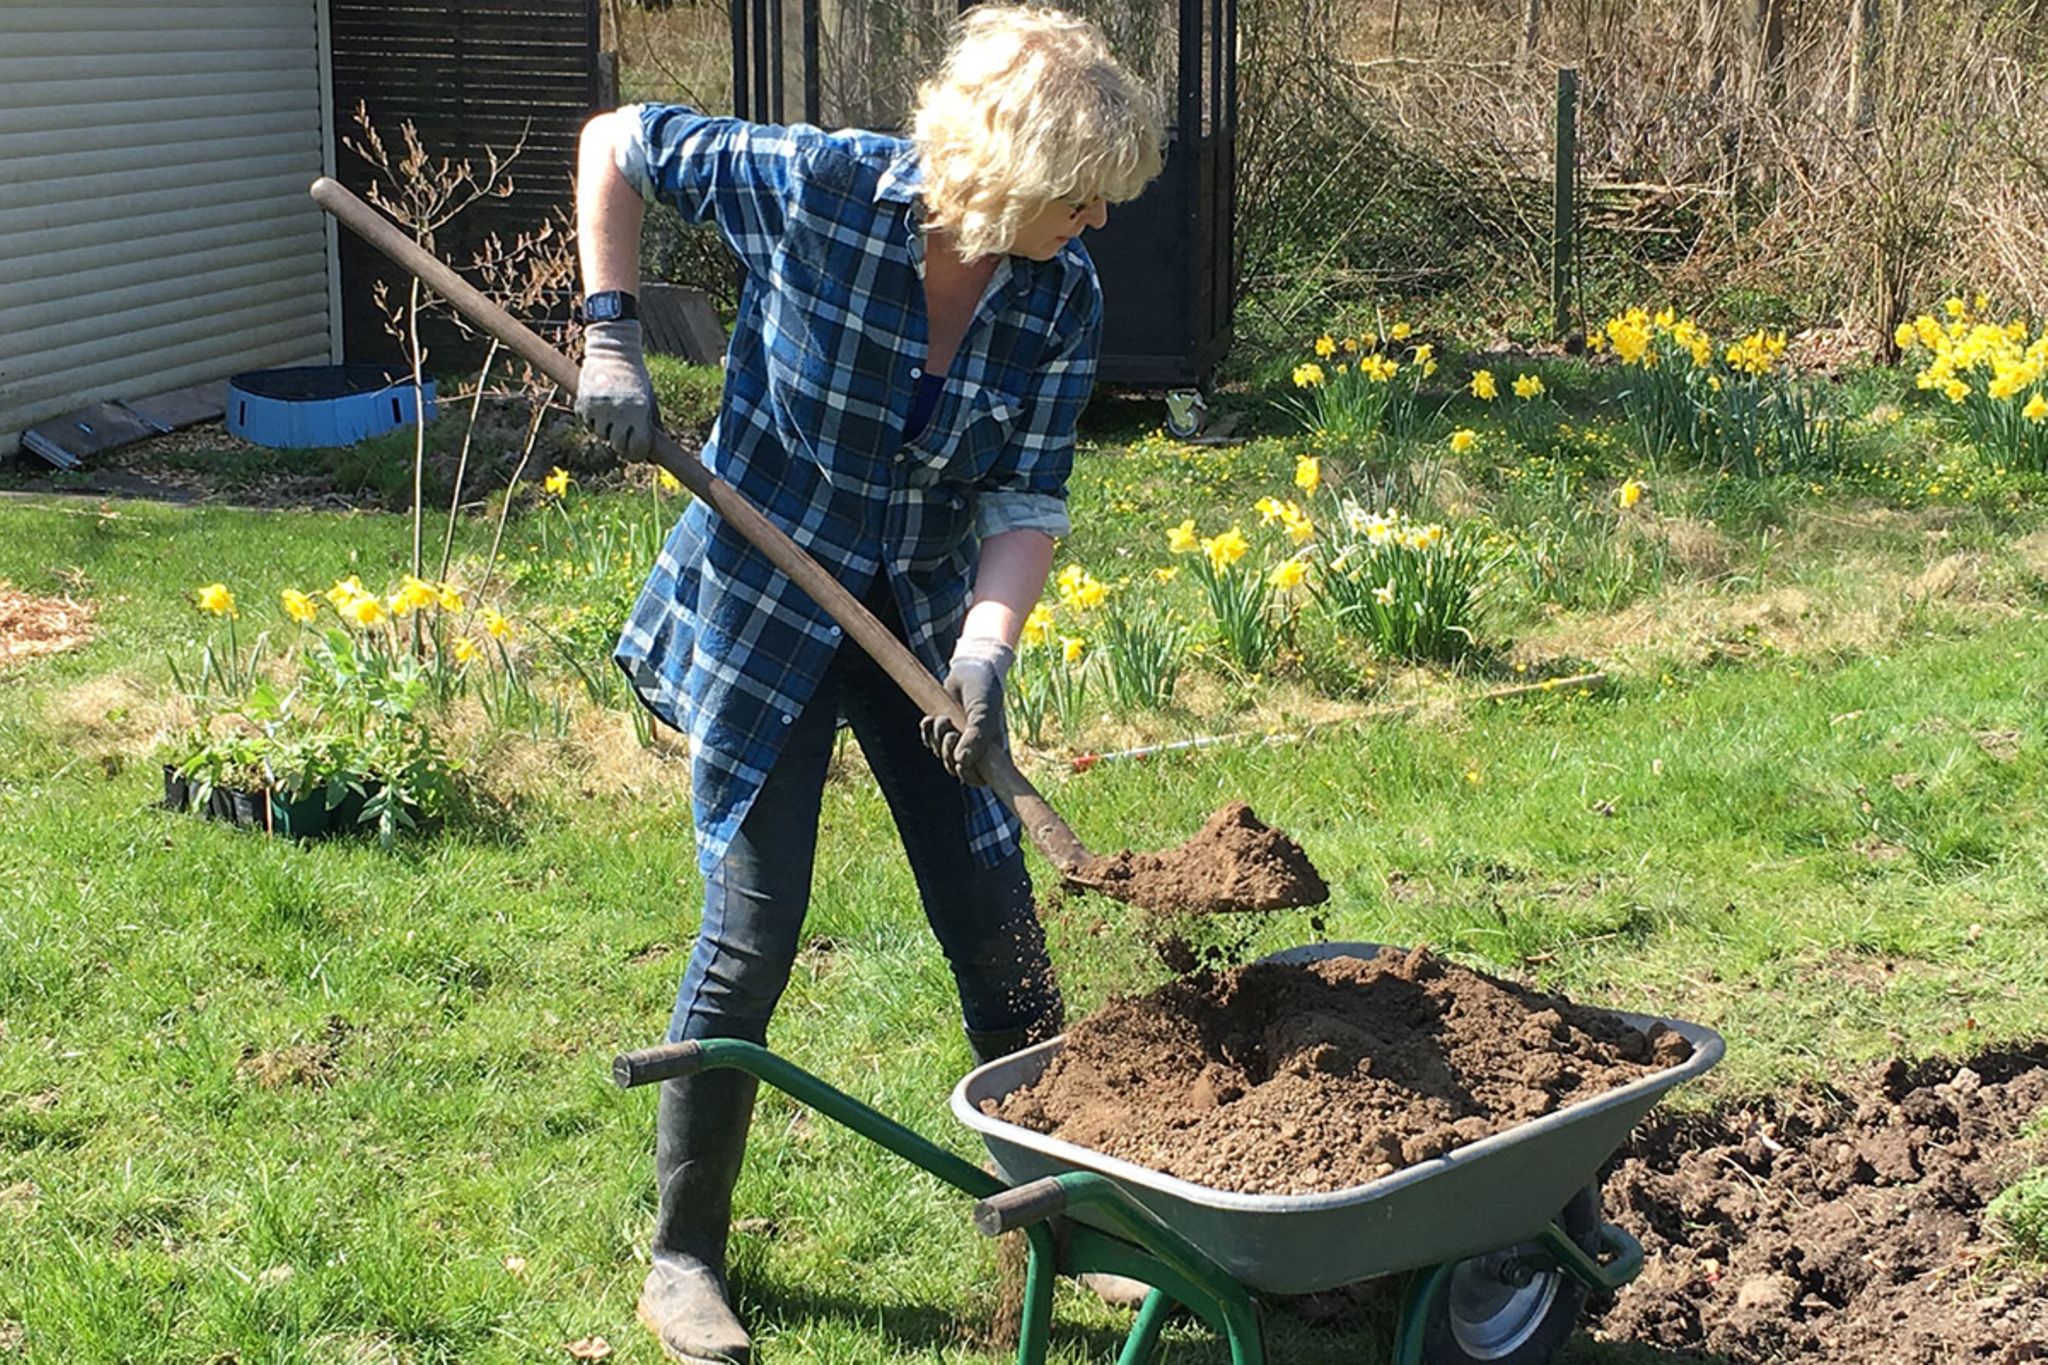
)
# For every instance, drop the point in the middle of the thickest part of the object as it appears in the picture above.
(614, 392)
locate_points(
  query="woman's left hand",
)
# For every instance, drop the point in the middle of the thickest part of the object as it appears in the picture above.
(975, 680)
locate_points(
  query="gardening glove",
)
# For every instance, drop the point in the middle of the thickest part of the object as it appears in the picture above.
(975, 680)
(614, 394)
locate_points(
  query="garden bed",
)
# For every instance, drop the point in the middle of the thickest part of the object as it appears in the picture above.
(1298, 1079)
(1860, 1226)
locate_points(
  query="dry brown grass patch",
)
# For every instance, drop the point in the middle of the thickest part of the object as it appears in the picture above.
(115, 713)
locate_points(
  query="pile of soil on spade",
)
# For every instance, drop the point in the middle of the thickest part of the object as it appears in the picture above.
(1846, 1227)
(1299, 1079)
(1236, 862)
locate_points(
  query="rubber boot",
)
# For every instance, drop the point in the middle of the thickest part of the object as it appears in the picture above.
(700, 1136)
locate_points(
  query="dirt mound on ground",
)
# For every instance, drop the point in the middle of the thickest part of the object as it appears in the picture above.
(1236, 862)
(32, 626)
(1842, 1228)
(1297, 1079)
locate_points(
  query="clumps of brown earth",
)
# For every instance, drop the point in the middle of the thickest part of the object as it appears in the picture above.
(32, 626)
(1236, 863)
(1305, 1078)
(1846, 1227)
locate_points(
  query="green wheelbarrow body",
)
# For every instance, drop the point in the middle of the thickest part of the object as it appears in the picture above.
(1478, 1230)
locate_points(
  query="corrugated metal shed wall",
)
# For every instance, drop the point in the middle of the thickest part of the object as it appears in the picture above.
(154, 224)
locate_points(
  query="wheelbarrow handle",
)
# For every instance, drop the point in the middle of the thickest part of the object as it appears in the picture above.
(667, 1062)
(1041, 822)
(1020, 1207)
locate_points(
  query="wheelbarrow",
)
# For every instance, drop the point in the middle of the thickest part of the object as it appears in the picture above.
(1501, 1239)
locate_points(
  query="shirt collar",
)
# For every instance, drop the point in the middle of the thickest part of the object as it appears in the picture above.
(903, 180)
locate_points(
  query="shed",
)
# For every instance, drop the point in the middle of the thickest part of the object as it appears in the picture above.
(154, 158)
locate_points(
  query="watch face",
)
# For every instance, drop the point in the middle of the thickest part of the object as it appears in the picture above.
(605, 307)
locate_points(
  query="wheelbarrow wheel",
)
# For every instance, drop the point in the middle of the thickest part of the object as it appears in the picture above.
(1512, 1307)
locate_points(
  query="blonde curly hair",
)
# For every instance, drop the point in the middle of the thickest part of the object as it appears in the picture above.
(1030, 107)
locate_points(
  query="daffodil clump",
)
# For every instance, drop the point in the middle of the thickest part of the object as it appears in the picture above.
(1239, 592)
(1360, 395)
(1054, 666)
(1993, 376)
(1736, 405)
(346, 712)
(1408, 588)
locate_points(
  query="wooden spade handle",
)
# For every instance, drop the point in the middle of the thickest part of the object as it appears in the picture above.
(1044, 825)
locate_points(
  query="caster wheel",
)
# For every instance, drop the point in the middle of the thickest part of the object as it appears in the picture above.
(1510, 1307)
(1186, 410)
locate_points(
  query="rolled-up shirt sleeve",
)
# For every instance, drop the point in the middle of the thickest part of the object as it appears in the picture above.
(711, 169)
(1026, 487)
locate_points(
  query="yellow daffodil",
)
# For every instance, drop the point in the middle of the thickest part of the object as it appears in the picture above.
(1288, 574)
(1080, 589)
(1528, 386)
(667, 482)
(1423, 353)
(1326, 346)
(344, 591)
(1483, 386)
(1071, 648)
(1953, 307)
(299, 606)
(1463, 439)
(1269, 509)
(1308, 473)
(1226, 549)
(1350, 345)
(216, 599)
(557, 482)
(465, 650)
(1903, 336)
(495, 624)
(1181, 539)
(449, 596)
(1167, 573)
(414, 594)
(1038, 625)
(1631, 493)
(2036, 409)
(1400, 331)
(1299, 527)
(366, 610)
(1308, 376)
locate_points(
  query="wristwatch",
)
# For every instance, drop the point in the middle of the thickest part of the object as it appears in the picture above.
(610, 305)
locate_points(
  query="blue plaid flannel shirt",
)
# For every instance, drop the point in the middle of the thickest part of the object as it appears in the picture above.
(820, 373)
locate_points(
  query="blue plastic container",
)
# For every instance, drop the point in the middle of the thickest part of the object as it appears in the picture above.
(321, 405)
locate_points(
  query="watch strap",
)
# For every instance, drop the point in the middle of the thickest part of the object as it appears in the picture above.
(610, 305)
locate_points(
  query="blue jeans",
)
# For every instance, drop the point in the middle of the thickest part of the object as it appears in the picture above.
(755, 900)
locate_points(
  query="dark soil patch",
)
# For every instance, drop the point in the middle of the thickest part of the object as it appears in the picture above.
(1295, 1079)
(1237, 862)
(1844, 1227)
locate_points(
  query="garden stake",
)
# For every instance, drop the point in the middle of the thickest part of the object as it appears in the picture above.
(1053, 837)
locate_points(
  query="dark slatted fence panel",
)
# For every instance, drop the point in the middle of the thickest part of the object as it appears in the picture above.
(470, 75)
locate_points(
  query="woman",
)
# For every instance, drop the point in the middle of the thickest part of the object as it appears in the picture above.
(916, 336)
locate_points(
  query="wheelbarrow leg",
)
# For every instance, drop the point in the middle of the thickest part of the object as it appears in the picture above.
(1423, 1289)
(1143, 1342)
(1041, 1272)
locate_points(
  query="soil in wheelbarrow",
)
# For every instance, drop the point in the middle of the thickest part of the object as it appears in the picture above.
(1853, 1226)
(1297, 1079)
(1236, 862)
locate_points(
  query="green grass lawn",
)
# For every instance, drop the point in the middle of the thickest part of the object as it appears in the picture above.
(264, 1102)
